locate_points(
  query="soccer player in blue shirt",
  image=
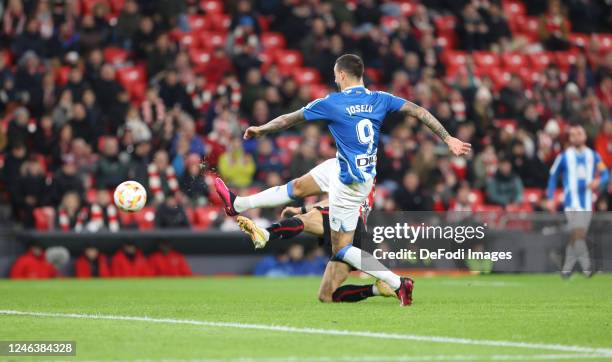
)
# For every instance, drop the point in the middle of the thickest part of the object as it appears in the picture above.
(354, 116)
(583, 173)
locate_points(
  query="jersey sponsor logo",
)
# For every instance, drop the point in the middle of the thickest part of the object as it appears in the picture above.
(365, 160)
(359, 108)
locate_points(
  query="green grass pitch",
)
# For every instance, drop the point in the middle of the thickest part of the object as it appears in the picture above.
(497, 317)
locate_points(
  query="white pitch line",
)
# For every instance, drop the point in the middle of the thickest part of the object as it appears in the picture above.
(603, 352)
(374, 358)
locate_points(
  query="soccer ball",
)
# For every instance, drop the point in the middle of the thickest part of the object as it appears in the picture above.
(130, 196)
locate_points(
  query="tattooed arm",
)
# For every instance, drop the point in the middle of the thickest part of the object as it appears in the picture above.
(456, 146)
(427, 118)
(277, 124)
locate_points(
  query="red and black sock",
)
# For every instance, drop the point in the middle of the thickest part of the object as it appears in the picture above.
(286, 228)
(352, 293)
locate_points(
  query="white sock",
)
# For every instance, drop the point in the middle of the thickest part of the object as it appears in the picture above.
(368, 264)
(272, 197)
(375, 290)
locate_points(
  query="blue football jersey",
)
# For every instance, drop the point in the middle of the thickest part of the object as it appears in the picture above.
(354, 118)
(578, 169)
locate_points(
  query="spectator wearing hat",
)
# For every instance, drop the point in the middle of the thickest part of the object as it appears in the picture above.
(33, 265)
(92, 264)
(167, 262)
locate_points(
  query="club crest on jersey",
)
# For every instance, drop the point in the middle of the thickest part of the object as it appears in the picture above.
(359, 108)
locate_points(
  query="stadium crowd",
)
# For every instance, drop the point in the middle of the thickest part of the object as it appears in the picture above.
(94, 92)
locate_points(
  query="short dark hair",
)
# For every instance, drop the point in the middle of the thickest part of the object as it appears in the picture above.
(351, 64)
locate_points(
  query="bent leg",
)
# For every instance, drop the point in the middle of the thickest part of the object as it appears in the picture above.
(335, 274)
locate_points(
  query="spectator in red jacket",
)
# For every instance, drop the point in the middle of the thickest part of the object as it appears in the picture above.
(129, 261)
(33, 265)
(603, 143)
(92, 264)
(168, 262)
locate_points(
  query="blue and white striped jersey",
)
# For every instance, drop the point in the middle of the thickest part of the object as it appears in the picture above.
(578, 168)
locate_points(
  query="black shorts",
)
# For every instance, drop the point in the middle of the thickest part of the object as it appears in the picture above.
(325, 241)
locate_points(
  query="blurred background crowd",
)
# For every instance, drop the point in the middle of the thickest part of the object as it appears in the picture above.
(94, 92)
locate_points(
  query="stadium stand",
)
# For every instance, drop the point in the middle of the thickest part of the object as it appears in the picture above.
(188, 76)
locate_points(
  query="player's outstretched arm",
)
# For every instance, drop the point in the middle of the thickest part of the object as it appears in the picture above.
(277, 124)
(456, 146)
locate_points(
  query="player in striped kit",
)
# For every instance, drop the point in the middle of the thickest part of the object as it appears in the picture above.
(583, 173)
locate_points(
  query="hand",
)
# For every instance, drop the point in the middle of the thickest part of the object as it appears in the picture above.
(458, 147)
(290, 211)
(252, 132)
(594, 185)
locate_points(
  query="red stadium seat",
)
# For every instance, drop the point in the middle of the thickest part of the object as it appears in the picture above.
(212, 6)
(288, 143)
(528, 26)
(145, 218)
(446, 41)
(514, 62)
(532, 195)
(445, 24)
(44, 218)
(218, 22)
(126, 218)
(288, 61)
(488, 213)
(117, 6)
(200, 59)
(579, 40)
(88, 5)
(129, 75)
(116, 56)
(389, 23)
(476, 197)
(272, 41)
(134, 80)
(197, 23)
(304, 76)
(605, 41)
(455, 60)
(407, 8)
(565, 60)
(513, 8)
(212, 40)
(186, 40)
(90, 196)
(205, 216)
(318, 91)
(61, 75)
(540, 61)
(486, 61)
